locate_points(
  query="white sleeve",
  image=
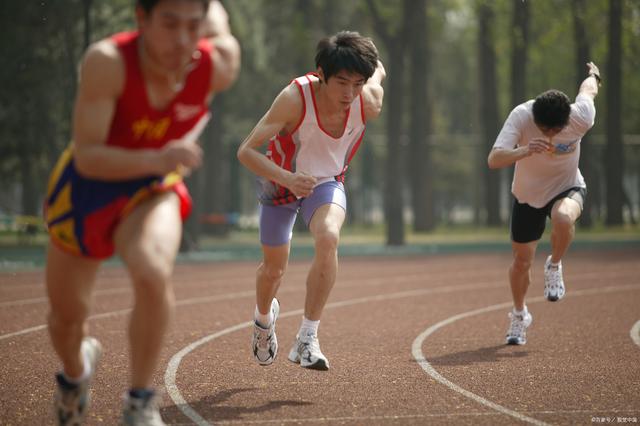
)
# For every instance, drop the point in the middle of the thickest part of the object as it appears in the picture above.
(583, 113)
(511, 130)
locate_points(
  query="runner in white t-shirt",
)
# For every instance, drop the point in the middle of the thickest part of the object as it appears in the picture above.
(314, 128)
(542, 138)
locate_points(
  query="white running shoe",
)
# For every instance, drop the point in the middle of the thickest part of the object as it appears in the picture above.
(265, 343)
(517, 333)
(142, 411)
(553, 282)
(72, 400)
(306, 351)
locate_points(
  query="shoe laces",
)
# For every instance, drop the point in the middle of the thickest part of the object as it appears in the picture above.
(311, 343)
(554, 277)
(263, 335)
(517, 327)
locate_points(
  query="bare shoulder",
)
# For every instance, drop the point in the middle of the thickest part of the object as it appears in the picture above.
(288, 107)
(102, 71)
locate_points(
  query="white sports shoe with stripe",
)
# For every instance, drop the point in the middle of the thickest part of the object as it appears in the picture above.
(553, 282)
(306, 351)
(517, 333)
(72, 400)
(264, 343)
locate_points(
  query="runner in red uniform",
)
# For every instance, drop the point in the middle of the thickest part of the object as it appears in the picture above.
(142, 101)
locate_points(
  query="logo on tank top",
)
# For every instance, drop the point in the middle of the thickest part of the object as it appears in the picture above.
(150, 129)
(185, 112)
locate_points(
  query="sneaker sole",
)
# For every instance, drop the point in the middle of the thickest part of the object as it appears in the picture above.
(514, 341)
(319, 365)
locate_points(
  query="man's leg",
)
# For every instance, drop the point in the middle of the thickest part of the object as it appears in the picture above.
(70, 280)
(147, 240)
(520, 271)
(269, 275)
(325, 228)
(564, 214)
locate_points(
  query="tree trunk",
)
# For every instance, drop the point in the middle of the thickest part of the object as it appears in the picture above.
(394, 176)
(614, 156)
(586, 150)
(420, 162)
(488, 108)
(395, 43)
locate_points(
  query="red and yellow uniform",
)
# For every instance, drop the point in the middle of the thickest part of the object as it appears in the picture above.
(82, 213)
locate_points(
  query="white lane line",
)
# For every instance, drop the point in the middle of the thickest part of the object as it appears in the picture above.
(174, 362)
(418, 355)
(635, 333)
(238, 295)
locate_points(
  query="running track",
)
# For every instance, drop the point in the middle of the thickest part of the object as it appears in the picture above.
(415, 340)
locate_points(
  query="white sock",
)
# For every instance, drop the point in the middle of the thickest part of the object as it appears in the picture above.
(86, 373)
(308, 327)
(263, 319)
(521, 313)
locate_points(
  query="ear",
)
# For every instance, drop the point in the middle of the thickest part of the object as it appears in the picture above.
(321, 75)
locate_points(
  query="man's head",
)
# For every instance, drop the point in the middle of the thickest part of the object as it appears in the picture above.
(551, 111)
(346, 51)
(171, 29)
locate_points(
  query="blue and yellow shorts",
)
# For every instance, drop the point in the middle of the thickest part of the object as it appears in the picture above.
(82, 214)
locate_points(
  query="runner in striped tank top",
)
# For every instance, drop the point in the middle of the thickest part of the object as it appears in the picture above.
(314, 128)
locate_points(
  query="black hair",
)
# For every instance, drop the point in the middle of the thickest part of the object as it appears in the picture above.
(349, 51)
(148, 5)
(551, 109)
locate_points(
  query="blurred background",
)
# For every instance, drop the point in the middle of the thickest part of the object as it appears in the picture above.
(455, 69)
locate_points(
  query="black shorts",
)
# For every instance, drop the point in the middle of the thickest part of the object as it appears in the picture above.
(527, 223)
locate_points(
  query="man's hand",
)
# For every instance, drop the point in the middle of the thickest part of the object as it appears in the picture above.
(301, 184)
(538, 146)
(179, 155)
(594, 71)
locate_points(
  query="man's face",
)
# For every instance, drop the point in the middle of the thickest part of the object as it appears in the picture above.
(171, 31)
(344, 87)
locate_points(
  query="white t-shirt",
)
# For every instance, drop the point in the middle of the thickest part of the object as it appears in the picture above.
(540, 177)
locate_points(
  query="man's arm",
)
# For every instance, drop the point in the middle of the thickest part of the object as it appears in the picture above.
(226, 53)
(590, 84)
(102, 77)
(373, 93)
(506, 151)
(285, 112)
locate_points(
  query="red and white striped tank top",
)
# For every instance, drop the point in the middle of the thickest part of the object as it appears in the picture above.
(311, 149)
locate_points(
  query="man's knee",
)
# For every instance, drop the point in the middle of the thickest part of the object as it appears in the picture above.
(521, 263)
(152, 278)
(327, 241)
(272, 271)
(563, 220)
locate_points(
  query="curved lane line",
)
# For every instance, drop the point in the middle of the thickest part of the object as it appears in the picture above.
(635, 333)
(418, 355)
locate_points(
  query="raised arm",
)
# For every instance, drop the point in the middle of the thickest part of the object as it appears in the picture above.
(226, 54)
(102, 76)
(373, 93)
(284, 114)
(590, 84)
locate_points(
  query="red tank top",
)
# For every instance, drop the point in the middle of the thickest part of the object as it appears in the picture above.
(136, 124)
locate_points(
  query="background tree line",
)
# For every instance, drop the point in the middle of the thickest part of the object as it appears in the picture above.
(455, 69)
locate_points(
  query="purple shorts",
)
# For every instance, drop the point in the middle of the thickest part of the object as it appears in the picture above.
(276, 222)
